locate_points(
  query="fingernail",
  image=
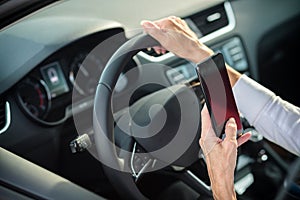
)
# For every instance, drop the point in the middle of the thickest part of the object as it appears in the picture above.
(142, 22)
(231, 119)
(146, 24)
(157, 51)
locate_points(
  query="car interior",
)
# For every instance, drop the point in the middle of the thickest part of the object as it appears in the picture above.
(89, 111)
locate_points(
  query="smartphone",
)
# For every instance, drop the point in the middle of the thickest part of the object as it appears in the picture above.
(217, 91)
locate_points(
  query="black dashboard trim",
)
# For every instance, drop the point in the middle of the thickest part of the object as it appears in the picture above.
(7, 117)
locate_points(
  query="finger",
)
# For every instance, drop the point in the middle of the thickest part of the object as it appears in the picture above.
(180, 21)
(183, 26)
(157, 49)
(160, 49)
(205, 120)
(206, 127)
(230, 129)
(204, 112)
(163, 50)
(152, 29)
(244, 138)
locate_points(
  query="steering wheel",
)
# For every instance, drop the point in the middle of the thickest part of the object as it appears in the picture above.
(174, 144)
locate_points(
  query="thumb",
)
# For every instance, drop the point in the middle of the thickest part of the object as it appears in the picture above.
(230, 129)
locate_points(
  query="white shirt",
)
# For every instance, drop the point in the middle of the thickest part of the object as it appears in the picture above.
(275, 119)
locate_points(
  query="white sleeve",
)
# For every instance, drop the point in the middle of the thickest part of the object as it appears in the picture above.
(276, 119)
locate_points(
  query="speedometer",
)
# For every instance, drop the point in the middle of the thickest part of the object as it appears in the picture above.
(85, 71)
(34, 97)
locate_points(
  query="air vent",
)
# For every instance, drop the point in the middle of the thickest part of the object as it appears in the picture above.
(4, 115)
(209, 20)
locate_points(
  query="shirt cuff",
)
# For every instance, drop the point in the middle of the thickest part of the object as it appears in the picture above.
(251, 97)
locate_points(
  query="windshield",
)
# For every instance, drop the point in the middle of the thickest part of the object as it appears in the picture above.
(12, 10)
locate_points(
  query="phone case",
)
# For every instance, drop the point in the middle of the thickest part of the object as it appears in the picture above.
(212, 74)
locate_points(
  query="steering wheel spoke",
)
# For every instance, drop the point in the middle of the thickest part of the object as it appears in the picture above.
(140, 161)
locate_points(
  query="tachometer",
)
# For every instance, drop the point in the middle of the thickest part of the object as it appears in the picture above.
(34, 97)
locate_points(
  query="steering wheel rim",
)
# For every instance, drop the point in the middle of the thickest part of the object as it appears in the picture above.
(104, 126)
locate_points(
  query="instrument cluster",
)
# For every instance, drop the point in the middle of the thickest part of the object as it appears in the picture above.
(69, 77)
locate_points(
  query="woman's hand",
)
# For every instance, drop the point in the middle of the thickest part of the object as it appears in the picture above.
(175, 36)
(221, 155)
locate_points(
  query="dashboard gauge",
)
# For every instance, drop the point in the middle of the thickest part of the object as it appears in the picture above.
(34, 97)
(85, 71)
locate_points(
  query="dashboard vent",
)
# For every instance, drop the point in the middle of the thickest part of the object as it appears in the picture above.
(209, 20)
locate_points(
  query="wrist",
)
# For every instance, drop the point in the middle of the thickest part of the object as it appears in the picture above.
(224, 192)
(222, 182)
(200, 53)
(223, 188)
(233, 75)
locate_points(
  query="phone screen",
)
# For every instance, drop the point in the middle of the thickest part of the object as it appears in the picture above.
(218, 94)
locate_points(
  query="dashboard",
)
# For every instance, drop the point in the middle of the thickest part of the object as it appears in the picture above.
(43, 76)
(52, 60)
